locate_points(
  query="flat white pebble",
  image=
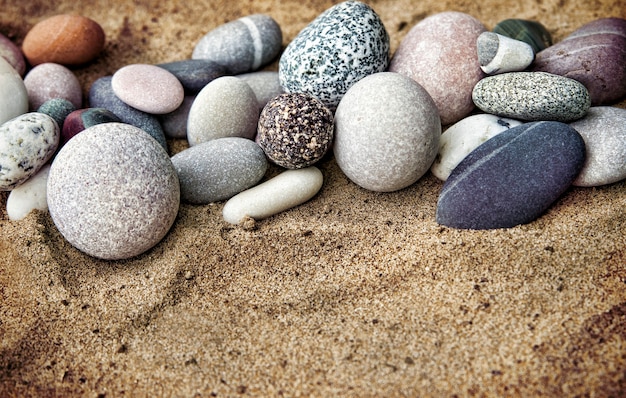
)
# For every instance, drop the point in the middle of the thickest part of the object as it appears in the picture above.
(289, 189)
(148, 88)
(29, 196)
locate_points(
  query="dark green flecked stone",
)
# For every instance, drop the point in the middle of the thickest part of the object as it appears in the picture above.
(58, 109)
(531, 32)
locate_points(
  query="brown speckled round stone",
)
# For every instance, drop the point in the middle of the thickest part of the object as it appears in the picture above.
(295, 130)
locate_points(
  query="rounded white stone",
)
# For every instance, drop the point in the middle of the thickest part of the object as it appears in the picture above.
(13, 93)
(29, 196)
(148, 88)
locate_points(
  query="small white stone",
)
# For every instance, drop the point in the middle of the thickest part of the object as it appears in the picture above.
(29, 196)
(13, 93)
(500, 54)
(289, 189)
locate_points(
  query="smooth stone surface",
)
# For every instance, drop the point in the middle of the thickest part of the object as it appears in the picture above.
(340, 47)
(101, 95)
(594, 55)
(13, 94)
(500, 54)
(604, 132)
(48, 81)
(226, 107)
(29, 196)
(242, 45)
(440, 54)
(283, 192)
(513, 178)
(532, 96)
(27, 142)
(12, 54)
(265, 84)
(58, 109)
(175, 123)
(194, 74)
(387, 132)
(149, 88)
(113, 192)
(219, 169)
(64, 39)
(82, 119)
(295, 130)
(530, 32)
(463, 137)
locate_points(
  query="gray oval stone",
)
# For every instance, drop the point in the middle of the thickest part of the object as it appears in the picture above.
(532, 96)
(113, 192)
(265, 84)
(13, 93)
(194, 74)
(512, 178)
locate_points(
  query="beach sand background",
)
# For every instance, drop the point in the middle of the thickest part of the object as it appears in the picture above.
(354, 293)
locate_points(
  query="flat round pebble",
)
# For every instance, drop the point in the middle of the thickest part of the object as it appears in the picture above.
(295, 130)
(283, 192)
(218, 169)
(387, 132)
(174, 124)
(531, 32)
(265, 84)
(532, 96)
(604, 132)
(194, 74)
(463, 137)
(148, 88)
(242, 45)
(58, 109)
(13, 94)
(226, 107)
(12, 54)
(29, 196)
(27, 142)
(82, 119)
(340, 47)
(440, 54)
(512, 178)
(64, 39)
(500, 54)
(113, 192)
(48, 81)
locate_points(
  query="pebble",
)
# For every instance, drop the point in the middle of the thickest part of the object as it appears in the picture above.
(595, 55)
(48, 81)
(101, 95)
(174, 124)
(64, 39)
(194, 74)
(27, 142)
(604, 132)
(463, 137)
(58, 109)
(82, 119)
(218, 169)
(113, 192)
(148, 88)
(226, 107)
(295, 130)
(29, 196)
(500, 54)
(340, 47)
(387, 132)
(530, 32)
(532, 96)
(440, 54)
(13, 94)
(265, 84)
(513, 178)
(12, 54)
(242, 45)
(285, 191)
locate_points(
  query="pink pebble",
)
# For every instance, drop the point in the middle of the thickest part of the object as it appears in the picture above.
(13, 55)
(148, 88)
(48, 81)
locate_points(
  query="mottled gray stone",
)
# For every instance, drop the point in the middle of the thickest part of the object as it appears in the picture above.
(58, 109)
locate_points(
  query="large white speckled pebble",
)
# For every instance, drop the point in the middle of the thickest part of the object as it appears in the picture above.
(29, 196)
(463, 137)
(113, 192)
(27, 142)
(13, 94)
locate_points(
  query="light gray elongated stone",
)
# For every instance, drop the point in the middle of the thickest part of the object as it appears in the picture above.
(288, 189)
(13, 93)
(500, 54)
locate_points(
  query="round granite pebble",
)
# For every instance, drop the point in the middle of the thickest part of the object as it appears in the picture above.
(500, 54)
(148, 88)
(265, 84)
(341, 46)
(387, 132)
(194, 74)
(242, 45)
(64, 39)
(113, 192)
(27, 142)
(12, 54)
(48, 81)
(58, 109)
(218, 169)
(13, 94)
(512, 178)
(295, 130)
(531, 32)
(604, 132)
(532, 96)
(82, 119)
(29, 196)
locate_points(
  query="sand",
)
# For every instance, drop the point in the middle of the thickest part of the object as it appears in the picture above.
(354, 293)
